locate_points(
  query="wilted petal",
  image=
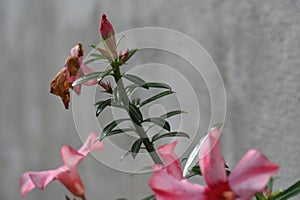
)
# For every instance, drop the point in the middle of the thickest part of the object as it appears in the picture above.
(211, 162)
(252, 174)
(171, 161)
(91, 144)
(166, 187)
(30, 180)
(77, 50)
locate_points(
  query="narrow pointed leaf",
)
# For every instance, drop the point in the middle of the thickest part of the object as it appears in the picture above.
(108, 128)
(93, 60)
(125, 155)
(150, 197)
(96, 75)
(97, 55)
(170, 134)
(135, 148)
(167, 115)
(158, 85)
(160, 122)
(130, 54)
(118, 131)
(137, 80)
(260, 196)
(135, 114)
(101, 105)
(193, 158)
(172, 113)
(292, 191)
(132, 87)
(155, 97)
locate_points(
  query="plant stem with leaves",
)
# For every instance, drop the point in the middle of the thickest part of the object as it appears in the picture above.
(139, 129)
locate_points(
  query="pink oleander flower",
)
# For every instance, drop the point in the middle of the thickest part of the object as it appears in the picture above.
(250, 176)
(67, 174)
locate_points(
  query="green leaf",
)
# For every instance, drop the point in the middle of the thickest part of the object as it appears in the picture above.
(93, 46)
(172, 113)
(167, 115)
(260, 196)
(135, 148)
(130, 88)
(292, 191)
(194, 171)
(193, 157)
(101, 105)
(170, 134)
(97, 55)
(125, 155)
(137, 80)
(135, 114)
(160, 122)
(136, 101)
(149, 197)
(155, 97)
(96, 75)
(159, 85)
(108, 128)
(118, 131)
(92, 60)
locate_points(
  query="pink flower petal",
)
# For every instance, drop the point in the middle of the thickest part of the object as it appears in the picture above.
(26, 184)
(86, 70)
(74, 51)
(91, 144)
(70, 157)
(72, 181)
(171, 160)
(105, 54)
(252, 174)
(166, 187)
(77, 89)
(211, 162)
(30, 180)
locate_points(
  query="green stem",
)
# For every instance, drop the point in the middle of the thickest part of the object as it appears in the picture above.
(139, 129)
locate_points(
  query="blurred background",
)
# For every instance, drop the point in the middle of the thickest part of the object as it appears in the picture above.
(255, 45)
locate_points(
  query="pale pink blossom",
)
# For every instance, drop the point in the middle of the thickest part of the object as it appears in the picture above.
(67, 174)
(250, 176)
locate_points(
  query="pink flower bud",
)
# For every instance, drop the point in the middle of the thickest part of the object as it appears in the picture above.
(106, 29)
(108, 35)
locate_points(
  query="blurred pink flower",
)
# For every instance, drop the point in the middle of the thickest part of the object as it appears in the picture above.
(250, 176)
(66, 174)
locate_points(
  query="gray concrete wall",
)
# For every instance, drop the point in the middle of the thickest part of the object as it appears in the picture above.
(255, 44)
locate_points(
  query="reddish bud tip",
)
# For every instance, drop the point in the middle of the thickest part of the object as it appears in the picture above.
(106, 29)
